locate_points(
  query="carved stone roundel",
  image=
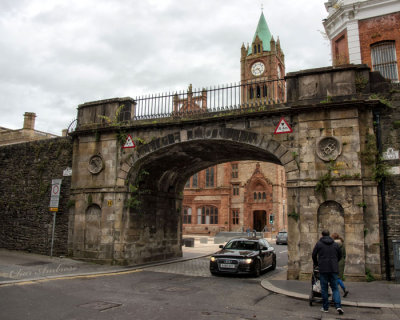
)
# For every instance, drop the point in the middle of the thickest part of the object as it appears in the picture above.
(95, 164)
(329, 148)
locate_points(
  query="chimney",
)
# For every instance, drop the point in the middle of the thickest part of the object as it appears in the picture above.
(29, 120)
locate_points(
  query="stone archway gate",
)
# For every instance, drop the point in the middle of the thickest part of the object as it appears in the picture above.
(128, 201)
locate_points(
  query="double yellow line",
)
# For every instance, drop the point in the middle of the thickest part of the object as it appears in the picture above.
(88, 276)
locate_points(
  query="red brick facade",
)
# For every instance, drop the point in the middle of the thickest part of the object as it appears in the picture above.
(378, 29)
(340, 49)
(242, 195)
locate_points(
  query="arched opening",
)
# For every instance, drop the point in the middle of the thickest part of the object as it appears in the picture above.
(152, 228)
(92, 227)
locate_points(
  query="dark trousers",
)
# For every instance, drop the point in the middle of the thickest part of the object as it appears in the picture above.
(331, 279)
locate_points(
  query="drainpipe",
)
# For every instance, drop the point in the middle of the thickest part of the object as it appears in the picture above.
(381, 187)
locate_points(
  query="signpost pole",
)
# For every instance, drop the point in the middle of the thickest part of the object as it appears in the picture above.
(54, 199)
(52, 233)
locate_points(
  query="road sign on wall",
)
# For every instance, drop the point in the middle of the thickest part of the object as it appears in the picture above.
(283, 127)
(129, 142)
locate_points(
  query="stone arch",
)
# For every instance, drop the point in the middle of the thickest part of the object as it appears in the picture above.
(168, 162)
(92, 227)
(268, 149)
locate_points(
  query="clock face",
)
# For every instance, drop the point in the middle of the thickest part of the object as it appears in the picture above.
(257, 68)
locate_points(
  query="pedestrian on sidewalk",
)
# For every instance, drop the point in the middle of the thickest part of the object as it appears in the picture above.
(326, 255)
(339, 240)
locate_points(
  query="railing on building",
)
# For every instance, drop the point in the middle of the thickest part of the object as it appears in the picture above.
(241, 96)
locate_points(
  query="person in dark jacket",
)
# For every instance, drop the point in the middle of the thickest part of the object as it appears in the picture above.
(326, 255)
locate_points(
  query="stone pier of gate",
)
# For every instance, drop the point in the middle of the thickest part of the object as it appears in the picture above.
(128, 200)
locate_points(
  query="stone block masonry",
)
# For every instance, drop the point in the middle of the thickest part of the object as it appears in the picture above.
(26, 173)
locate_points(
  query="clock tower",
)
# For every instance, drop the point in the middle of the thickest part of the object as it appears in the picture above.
(262, 66)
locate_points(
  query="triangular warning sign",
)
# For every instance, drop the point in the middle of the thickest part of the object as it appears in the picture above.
(283, 127)
(129, 142)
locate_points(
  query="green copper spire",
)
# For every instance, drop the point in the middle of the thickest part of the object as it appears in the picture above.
(263, 33)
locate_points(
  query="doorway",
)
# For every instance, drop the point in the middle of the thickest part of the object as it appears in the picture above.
(259, 220)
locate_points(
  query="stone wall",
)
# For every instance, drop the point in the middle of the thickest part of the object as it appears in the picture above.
(27, 170)
(390, 126)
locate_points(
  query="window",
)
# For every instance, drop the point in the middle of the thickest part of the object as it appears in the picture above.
(187, 215)
(259, 48)
(235, 216)
(265, 92)
(210, 177)
(264, 196)
(207, 215)
(251, 93)
(258, 92)
(195, 179)
(235, 189)
(383, 57)
(255, 195)
(255, 49)
(235, 170)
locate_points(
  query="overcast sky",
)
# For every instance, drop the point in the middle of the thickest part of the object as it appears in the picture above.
(57, 54)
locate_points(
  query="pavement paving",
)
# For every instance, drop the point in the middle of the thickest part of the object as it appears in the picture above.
(18, 267)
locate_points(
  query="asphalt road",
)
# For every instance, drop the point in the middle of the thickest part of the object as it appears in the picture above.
(159, 293)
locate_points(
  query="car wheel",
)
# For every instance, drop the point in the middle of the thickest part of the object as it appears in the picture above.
(257, 268)
(273, 267)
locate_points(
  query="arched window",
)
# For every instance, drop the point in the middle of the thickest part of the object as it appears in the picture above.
(264, 196)
(187, 215)
(209, 215)
(259, 48)
(265, 92)
(383, 55)
(255, 49)
(259, 195)
(251, 93)
(255, 195)
(258, 92)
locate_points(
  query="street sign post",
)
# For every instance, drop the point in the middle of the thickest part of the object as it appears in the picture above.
(54, 200)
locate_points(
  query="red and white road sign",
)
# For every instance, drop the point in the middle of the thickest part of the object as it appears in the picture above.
(55, 194)
(283, 127)
(129, 142)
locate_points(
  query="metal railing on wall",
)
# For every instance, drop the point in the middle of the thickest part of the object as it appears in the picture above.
(213, 99)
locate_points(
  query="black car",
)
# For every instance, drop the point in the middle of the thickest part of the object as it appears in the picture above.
(243, 255)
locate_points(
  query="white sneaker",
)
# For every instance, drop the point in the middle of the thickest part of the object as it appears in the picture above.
(323, 310)
(340, 310)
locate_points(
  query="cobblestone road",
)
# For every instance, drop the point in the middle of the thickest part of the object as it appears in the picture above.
(199, 268)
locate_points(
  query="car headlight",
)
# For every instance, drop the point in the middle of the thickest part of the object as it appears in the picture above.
(213, 259)
(248, 261)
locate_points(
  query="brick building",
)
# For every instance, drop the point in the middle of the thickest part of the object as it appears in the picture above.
(365, 32)
(239, 195)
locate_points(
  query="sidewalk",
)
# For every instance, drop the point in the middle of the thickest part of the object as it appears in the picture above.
(21, 267)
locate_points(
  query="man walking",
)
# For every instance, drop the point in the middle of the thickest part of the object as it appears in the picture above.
(326, 256)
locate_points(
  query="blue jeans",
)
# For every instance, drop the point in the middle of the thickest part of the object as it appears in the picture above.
(332, 279)
(341, 284)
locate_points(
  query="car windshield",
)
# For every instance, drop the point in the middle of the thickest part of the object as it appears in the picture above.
(282, 233)
(242, 245)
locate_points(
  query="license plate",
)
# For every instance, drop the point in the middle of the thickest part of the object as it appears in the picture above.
(228, 265)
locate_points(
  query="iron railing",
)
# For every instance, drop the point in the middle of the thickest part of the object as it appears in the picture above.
(207, 100)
